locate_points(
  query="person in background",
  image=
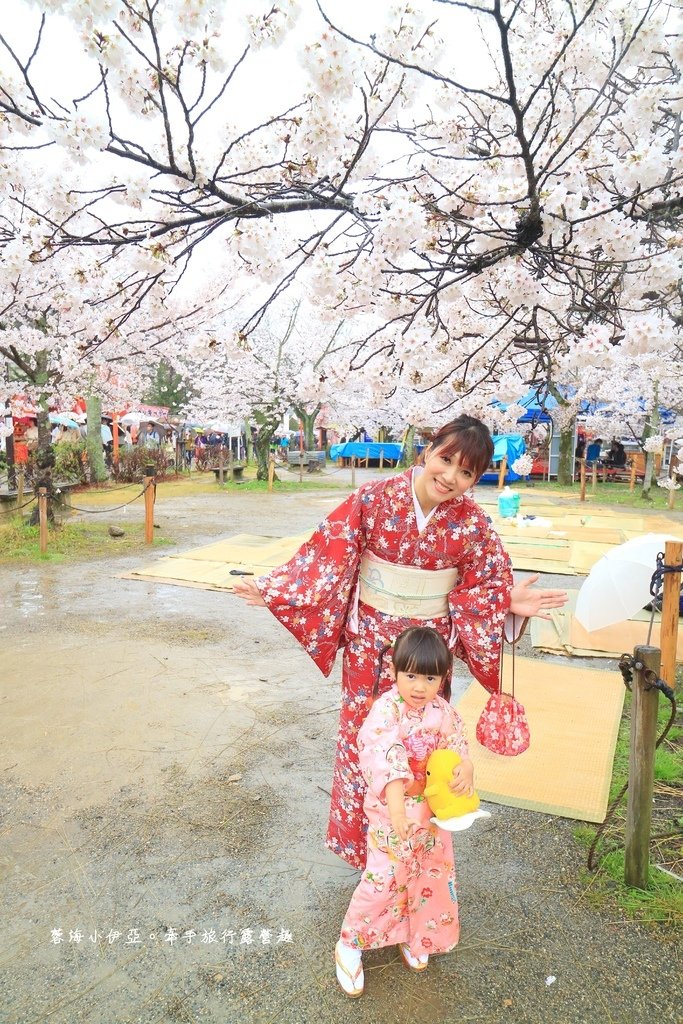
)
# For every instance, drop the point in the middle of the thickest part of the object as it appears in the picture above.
(616, 457)
(593, 451)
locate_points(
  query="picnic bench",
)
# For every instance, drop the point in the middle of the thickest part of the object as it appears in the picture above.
(231, 471)
(313, 460)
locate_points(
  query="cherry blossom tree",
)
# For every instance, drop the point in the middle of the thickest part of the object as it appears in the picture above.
(286, 363)
(492, 219)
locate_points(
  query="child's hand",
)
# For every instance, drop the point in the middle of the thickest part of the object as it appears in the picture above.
(249, 592)
(462, 783)
(402, 824)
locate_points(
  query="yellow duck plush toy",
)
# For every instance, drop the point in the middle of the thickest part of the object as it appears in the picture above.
(452, 813)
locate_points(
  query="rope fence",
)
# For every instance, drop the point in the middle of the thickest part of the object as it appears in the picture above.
(42, 497)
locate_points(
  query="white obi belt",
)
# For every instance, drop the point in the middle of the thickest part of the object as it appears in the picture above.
(405, 590)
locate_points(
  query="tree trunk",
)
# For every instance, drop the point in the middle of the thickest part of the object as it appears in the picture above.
(267, 426)
(308, 422)
(262, 450)
(408, 454)
(45, 462)
(45, 453)
(651, 427)
(249, 439)
(565, 467)
(98, 471)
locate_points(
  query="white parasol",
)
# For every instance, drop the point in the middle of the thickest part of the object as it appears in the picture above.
(619, 584)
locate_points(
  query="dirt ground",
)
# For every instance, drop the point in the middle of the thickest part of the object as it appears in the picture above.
(165, 759)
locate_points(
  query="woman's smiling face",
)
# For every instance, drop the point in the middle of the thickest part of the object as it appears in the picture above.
(443, 477)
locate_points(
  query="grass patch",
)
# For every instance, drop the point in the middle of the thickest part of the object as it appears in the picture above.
(192, 486)
(662, 902)
(612, 493)
(282, 486)
(71, 542)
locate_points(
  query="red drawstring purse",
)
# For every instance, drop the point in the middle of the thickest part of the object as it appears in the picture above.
(503, 726)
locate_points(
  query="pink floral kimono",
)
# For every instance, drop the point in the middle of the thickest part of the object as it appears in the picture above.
(315, 596)
(407, 892)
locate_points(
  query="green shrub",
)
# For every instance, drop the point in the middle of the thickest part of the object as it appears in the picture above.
(69, 461)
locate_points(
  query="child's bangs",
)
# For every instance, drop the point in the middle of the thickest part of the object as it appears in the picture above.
(425, 654)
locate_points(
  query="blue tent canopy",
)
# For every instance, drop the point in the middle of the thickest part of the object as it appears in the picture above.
(509, 446)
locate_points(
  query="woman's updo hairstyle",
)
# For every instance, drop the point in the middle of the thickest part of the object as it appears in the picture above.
(467, 437)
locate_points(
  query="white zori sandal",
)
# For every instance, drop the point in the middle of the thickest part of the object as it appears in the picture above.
(414, 963)
(349, 969)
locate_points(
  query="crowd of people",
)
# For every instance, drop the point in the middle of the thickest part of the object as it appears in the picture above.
(592, 451)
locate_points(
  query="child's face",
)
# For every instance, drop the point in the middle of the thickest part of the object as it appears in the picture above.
(416, 689)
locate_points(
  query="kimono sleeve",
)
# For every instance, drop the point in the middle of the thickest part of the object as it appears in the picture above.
(310, 594)
(479, 603)
(453, 736)
(381, 753)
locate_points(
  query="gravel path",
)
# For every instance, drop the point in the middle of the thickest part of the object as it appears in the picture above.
(165, 758)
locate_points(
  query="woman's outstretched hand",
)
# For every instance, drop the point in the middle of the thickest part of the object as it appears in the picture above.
(527, 601)
(249, 592)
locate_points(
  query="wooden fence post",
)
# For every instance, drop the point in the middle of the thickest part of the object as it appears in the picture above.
(42, 518)
(632, 481)
(672, 495)
(149, 504)
(641, 772)
(221, 465)
(668, 637)
(582, 465)
(502, 471)
(594, 478)
(353, 471)
(271, 472)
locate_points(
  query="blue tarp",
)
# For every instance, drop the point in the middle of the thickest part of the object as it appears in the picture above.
(510, 445)
(363, 450)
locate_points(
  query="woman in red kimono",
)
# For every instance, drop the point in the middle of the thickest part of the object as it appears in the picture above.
(414, 549)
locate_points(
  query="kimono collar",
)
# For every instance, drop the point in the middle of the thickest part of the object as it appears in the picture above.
(420, 517)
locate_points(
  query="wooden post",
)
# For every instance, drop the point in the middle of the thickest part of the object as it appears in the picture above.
(231, 475)
(42, 518)
(353, 471)
(582, 465)
(632, 481)
(594, 477)
(115, 439)
(381, 458)
(221, 465)
(641, 772)
(672, 495)
(301, 466)
(668, 637)
(20, 490)
(502, 471)
(271, 472)
(149, 504)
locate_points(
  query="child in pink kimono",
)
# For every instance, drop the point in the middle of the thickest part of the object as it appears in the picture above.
(407, 893)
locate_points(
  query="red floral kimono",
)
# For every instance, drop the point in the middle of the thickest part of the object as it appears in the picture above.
(314, 596)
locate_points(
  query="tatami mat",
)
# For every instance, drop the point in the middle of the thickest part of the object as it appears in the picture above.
(214, 566)
(564, 634)
(574, 719)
